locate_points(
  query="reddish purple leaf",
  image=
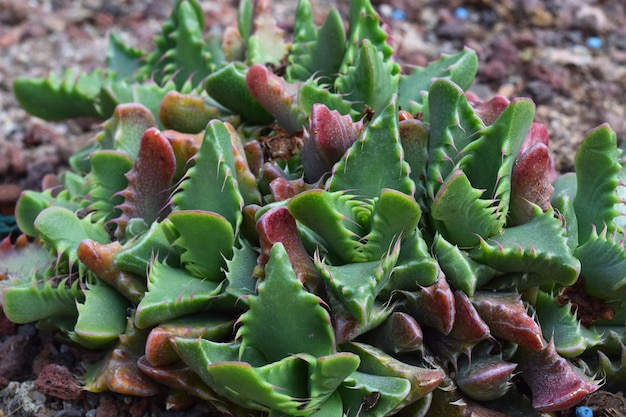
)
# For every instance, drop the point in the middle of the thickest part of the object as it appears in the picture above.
(329, 136)
(149, 181)
(555, 383)
(531, 183)
(278, 225)
(283, 189)
(490, 110)
(485, 377)
(468, 327)
(432, 306)
(275, 95)
(506, 316)
(399, 333)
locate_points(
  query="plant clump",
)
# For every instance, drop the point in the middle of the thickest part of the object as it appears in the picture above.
(299, 227)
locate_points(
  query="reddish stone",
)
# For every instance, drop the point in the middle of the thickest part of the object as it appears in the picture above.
(57, 381)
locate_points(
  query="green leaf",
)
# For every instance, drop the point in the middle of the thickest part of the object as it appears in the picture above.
(296, 385)
(108, 169)
(60, 97)
(453, 125)
(155, 243)
(463, 217)
(94, 329)
(173, 292)
(460, 269)
(277, 336)
(316, 52)
(28, 207)
(29, 302)
(121, 59)
(597, 170)
(124, 130)
(415, 268)
(63, 231)
(180, 52)
(389, 393)
(240, 271)
(266, 43)
(488, 160)
(538, 246)
(376, 362)
(364, 23)
(460, 68)
(394, 217)
(210, 185)
(206, 239)
(228, 87)
(375, 161)
(603, 265)
(371, 82)
(560, 323)
(332, 217)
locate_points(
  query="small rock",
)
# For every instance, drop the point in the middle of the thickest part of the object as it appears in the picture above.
(9, 193)
(13, 355)
(57, 381)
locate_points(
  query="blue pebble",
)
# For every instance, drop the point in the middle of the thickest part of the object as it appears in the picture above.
(461, 13)
(583, 411)
(398, 14)
(594, 42)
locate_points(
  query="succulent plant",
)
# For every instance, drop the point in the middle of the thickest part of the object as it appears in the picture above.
(298, 227)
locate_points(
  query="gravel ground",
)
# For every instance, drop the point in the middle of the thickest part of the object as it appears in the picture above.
(569, 56)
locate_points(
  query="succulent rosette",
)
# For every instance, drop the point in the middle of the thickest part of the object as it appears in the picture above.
(298, 226)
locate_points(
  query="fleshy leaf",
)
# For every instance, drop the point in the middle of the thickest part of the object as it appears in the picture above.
(316, 51)
(597, 170)
(278, 336)
(531, 184)
(278, 226)
(28, 302)
(461, 213)
(149, 181)
(485, 377)
(463, 272)
(60, 97)
(94, 329)
(228, 87)
(277, 96)
(377, 395)
(395, 215)
(375, 161)
(506, 316)
(372, 81)
(124, 130)
(603, 265)
(206, 239)
(538, 246)
(210, 185)
(118, 371)
(180, 52)
(63, 231)
(329, 136)
(413, 88)
(172, 293)
(432, 306)
(331, 215)
(374, 361)
(559, 323)
(555, 383)
(99, 258)
(185, 112)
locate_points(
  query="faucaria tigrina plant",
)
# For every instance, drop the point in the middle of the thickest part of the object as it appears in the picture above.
(298, 227)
